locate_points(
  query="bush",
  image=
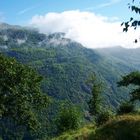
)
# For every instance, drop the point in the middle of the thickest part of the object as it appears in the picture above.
(103, 117)
(125, 127)
(69, 118)
(126, 108)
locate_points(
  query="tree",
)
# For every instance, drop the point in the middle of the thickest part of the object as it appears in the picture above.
(104, 116)
(101, 115)
(69, 118)
(95, 101)
(132, 79)
(132, 22)
(20, 98)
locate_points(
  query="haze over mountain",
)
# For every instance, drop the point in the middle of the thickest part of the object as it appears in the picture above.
(66, 64)
(129, 56)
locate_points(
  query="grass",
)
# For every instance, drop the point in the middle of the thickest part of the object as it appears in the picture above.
(125, 127)
(80, 134)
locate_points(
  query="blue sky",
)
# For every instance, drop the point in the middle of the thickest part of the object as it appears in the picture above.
(21, 11)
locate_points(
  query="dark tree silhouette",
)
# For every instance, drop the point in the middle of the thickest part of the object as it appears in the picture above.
(133, 22)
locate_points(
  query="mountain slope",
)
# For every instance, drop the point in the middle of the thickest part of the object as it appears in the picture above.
(64, 64)
(130, 57)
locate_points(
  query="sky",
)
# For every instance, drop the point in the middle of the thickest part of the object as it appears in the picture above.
(94, 23)
(20, 11)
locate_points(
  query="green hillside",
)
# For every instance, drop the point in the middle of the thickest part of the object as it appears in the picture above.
(80, 134)
(126, 127)
(64, 64)
(129, 56)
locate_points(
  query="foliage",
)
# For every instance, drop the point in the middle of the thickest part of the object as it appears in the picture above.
(133, 22)
(65, 65)
(80, 134)
(132, 79)
(124, 127)
(21, 97)
(103, 117)
(69, 118)
(126, 107)
(95, 101)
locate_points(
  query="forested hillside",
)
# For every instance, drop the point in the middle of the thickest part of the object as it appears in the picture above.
(65, 64)
(130, 57)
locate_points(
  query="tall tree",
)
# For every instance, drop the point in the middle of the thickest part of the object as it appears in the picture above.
(20, 97)
(95, 101)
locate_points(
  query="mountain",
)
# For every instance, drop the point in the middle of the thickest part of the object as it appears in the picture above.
(66, 65)
(130, 57)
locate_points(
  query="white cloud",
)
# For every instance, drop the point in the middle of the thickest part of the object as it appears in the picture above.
(85, 27)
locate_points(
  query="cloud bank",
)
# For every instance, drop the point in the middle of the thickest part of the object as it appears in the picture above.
(90, 29)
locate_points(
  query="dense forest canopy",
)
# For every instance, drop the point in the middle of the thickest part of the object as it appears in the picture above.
(21, 98)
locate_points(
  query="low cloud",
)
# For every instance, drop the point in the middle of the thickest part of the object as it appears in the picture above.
(91, 30)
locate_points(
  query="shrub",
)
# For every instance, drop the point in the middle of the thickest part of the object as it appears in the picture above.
(103, 117)
(69, 118)
(125, 127)
(126, 108)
